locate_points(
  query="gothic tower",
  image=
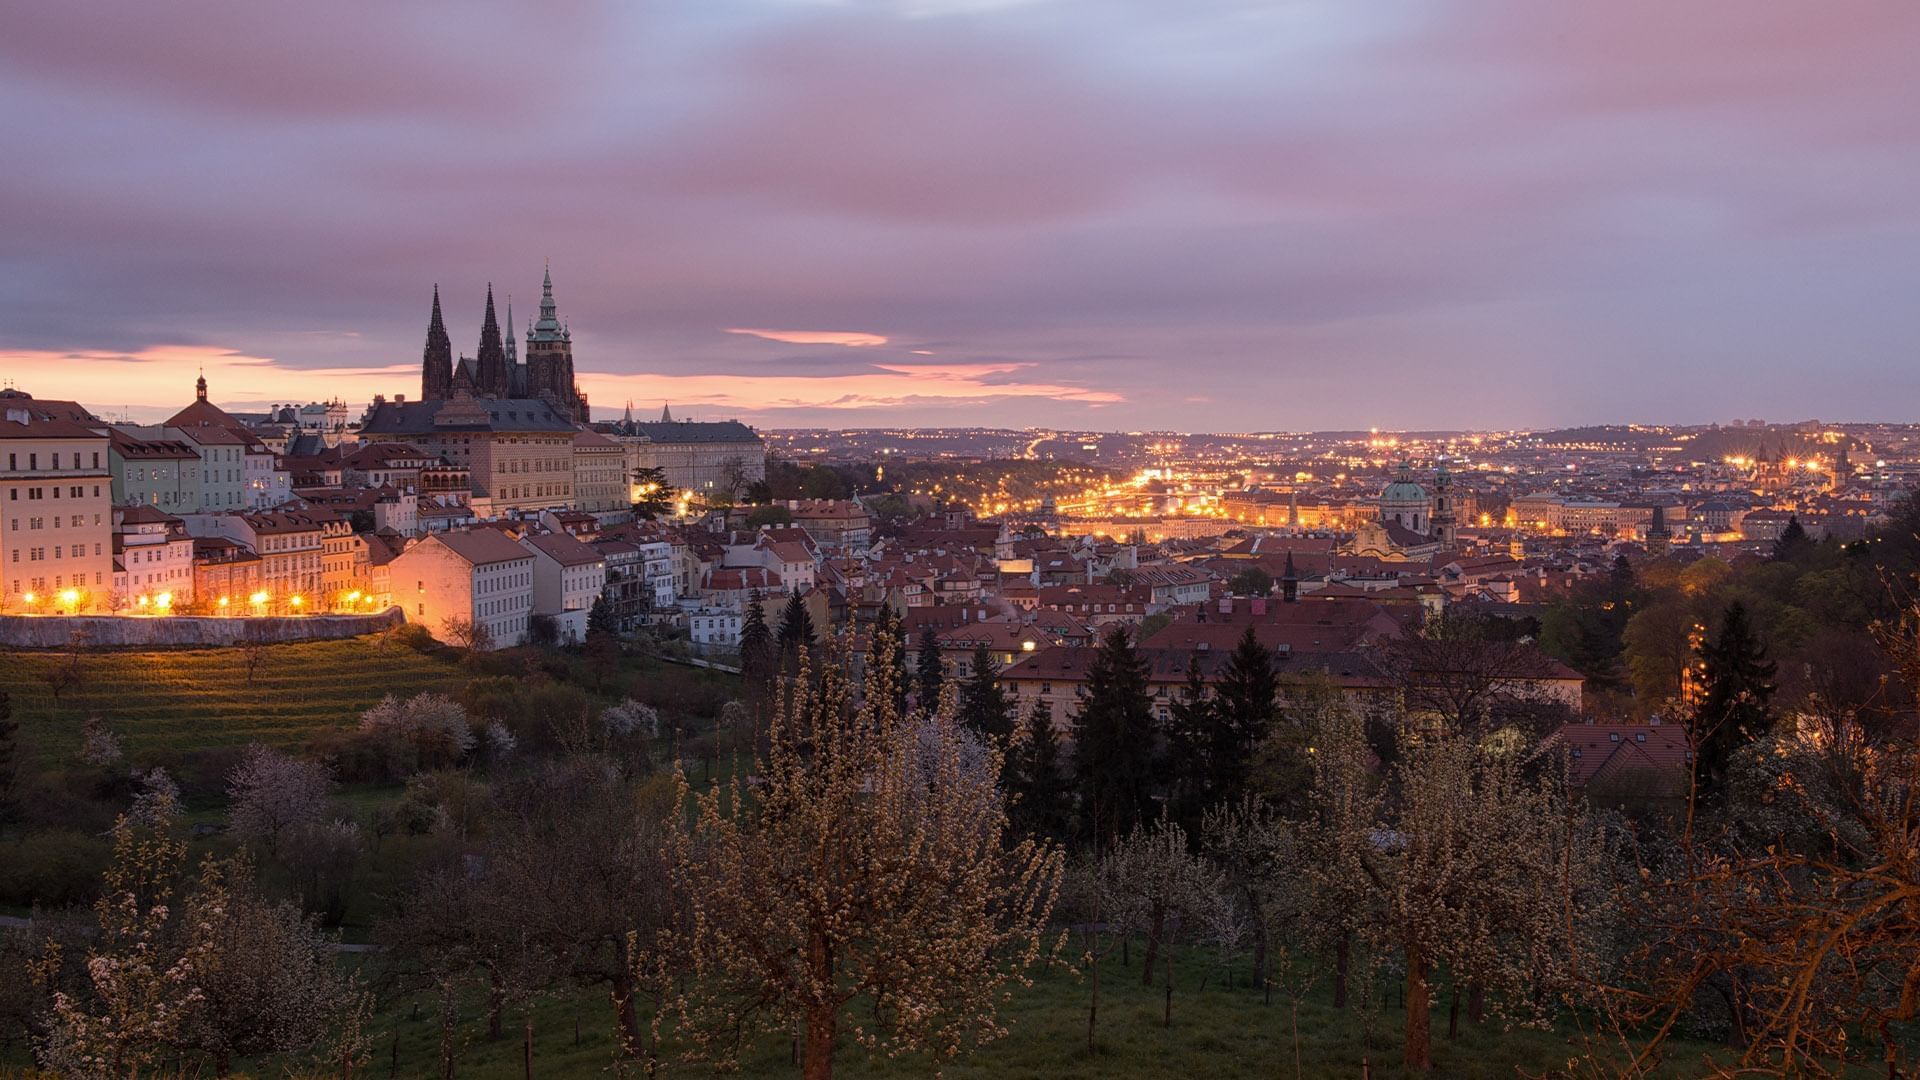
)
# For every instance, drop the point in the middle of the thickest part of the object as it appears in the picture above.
(436, 363)
(493, 376)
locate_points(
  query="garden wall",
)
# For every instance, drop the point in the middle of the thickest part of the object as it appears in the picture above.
(151, 632)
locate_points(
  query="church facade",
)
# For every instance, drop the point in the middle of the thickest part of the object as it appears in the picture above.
(496, 370)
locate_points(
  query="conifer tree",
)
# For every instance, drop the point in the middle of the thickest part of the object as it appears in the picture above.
(1042, 803)
(1736, 705)
(1190, 740)
(796, 628)
(984, 709)
(756, 641)
(1793, 541)
(1246, 705)
(930, 670)
(1114, 736)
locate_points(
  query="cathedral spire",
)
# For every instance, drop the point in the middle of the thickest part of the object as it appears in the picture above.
(436, 361)
(491, 360)
(666, 413)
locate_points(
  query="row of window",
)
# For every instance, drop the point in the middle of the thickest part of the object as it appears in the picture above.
(34, 523)
(73, 551)
(60, 581)
(33, 461)
(75, 491)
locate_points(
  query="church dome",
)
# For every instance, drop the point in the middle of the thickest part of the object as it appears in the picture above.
(1403, 489)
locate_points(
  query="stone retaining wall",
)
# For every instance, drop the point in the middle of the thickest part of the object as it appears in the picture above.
(159, 632)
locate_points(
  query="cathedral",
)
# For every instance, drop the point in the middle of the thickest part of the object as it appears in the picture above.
(496, 372)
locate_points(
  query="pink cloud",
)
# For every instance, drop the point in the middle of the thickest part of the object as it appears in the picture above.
(852, 339)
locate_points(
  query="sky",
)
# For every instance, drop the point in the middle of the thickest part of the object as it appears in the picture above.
(1208, 215)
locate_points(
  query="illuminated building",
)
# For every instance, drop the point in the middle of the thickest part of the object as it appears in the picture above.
(55, 504)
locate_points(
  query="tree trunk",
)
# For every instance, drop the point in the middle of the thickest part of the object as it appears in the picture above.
(1093, 1008)
(1259, 948)
(1293, 1018)
(1419, 1042)
(526, 1051)
(1342, 950)
(626, 1021)
(496, 1004)
(1476, 1001)
(817, 1064)
(222, 1063)
(1453, 1014)
(1154, 927)
(1166, 1018)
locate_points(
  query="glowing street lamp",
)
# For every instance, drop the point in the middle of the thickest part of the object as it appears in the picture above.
(164, 602)
(296, 602)
(71, 598)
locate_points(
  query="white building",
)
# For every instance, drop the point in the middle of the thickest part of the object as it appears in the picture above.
(714, 628)
(152, 561)
(480, 576)
(568, 577)
(56, 495)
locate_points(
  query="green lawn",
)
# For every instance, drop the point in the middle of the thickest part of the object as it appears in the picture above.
(1215, 1033)
(190, 699)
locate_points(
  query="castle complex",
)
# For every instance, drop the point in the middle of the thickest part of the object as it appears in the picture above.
(497, 371)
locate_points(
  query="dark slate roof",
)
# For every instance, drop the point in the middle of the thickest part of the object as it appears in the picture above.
(504, 414)
(692, 431)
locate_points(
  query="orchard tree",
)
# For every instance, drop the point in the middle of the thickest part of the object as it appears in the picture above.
(1153, 886)
(1474, 869)
(867, 883)
(274, 794)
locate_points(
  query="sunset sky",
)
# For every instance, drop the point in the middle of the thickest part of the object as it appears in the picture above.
(1095, 213)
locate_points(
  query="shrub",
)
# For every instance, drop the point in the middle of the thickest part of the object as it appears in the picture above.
(54, 868)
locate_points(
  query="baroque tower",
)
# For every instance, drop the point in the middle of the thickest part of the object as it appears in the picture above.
(550, 357)
(436, 363)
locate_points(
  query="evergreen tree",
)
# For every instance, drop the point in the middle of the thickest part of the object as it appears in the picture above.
(600, 618)
(930, 669)
(984, 708)
(1735, 705)
(1620, 580)
(1042, 803)
(653, 495)
(756, 641)
(1246, 705)
(1793, 542)
(1114, 734)
(1188, 761)
(796, 629)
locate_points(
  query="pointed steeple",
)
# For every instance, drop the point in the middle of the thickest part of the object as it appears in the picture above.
(200, 386)
(1289, 582)
(626, 418)
(436, 361)
(666, 413)
(491, 360)
(513, 353)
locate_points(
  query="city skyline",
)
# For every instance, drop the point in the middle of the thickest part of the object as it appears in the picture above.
(986, 213)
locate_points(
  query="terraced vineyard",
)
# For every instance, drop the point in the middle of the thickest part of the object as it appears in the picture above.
(196, 698)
